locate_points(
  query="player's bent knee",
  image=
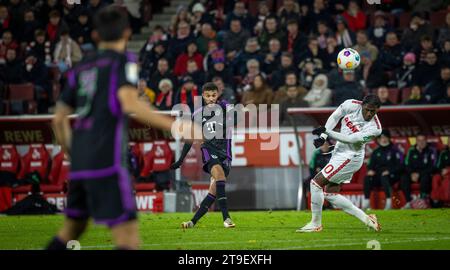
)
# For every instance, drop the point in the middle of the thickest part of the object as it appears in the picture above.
(320, 180)
(217, 172)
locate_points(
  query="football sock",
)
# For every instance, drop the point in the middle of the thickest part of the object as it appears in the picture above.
(56, 244)
(221, 198)
(204, 207)
(316, 203)
(339, 201)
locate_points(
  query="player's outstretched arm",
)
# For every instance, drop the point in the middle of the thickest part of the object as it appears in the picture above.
(184, 152)
(61, 125)
(358, 137)
(334, 118)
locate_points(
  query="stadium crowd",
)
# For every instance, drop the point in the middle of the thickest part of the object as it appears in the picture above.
(261, 52)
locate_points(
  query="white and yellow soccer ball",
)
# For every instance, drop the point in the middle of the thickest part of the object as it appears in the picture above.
(348, 59)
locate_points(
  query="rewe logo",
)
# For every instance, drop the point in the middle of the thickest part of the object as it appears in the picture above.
(350, 125)
(374, 2)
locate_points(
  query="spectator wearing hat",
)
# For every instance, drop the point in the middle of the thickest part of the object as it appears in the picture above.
(391, 54)
(355, 18)
(179, 43)
(348, 88)
(162, 72)
(364, 45)
(271, 31)
(291, 81)
(416, 96)
(379, 29)
(188, 92)
(286, 65)
(344, 36)
(429, 69)
(384, 169)
(383, 95)
(206, 35)
(436, 89)
(371, 73)
(252, 50)
(165, 98)
(234, 40)
(418, 28)
(405, 76)
(219, 69)
(319, 95)
(191, 53)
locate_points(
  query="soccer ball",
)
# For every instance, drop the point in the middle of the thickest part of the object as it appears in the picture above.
(348, 59)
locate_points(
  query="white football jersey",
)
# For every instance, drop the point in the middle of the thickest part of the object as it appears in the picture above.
(353, 122)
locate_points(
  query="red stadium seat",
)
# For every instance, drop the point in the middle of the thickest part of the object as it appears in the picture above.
(406, 92)
(393, 95)
(22, 92)
(145, 186)
(161, 155)
(438, 18)
(58, 174)
(192, 165)
(9, 159)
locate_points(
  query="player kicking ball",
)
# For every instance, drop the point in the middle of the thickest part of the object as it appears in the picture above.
(216, 153)
(359, 125)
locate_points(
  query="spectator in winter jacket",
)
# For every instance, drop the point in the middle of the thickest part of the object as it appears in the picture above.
(40, 47)
(191, 53)
(165, 98)
(197, 75)
(405, 76)
(418, 27)
(383, 170)
(364, 45)
(219, 69)
(377, 33)
(234, 39)
(437, 88)
(67, 52)
(347, 89)
(319, 95)
(294, 100)
(419, 165)
(345, 38)
(279, 75)
(271, 31)
(7, 42)
(162, 72)
(225, 92)
(428, 70)
(259, 92)
(55, 26)
(291, 81)
(206, 35)
(252, 50)
(392, 52)
(356, 19)
(188, 92)
(179, 43)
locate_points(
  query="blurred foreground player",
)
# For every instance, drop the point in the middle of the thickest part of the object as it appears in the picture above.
(101, 90)
(216, 153)
(359, 125)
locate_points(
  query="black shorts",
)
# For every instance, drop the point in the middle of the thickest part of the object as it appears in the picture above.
(376, 179)
(210, 158)
(109, 200)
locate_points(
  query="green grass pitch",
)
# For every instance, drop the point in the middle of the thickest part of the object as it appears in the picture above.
(401, 229)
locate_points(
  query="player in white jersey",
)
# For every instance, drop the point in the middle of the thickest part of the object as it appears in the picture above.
(359, 125)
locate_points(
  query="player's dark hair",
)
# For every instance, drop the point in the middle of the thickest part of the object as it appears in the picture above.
(210, 86)
(110, 23)
(372, 100)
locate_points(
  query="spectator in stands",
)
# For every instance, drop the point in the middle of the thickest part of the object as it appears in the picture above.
(240, 13)
(158, 36)
(7, 42)
(94, 6)
(48, 6)
(182, 15)
(165, 98)
(383, 95)
(271, 31)
(290, 81)
(11, 70)
(258, 93)
(312, 53)
(279, 75)
(405, 76)
(446, 99)
(187, 93)
(67, 52)
(444, 58)
(426, 46)
(234, 39)
(146, 94)
(416, 96)
(418, 28)
(437, 88)
(426, 5)
(198, 76)
(377, 32)
(17, 10)
(428, 70)
(364, 45)
(419, 165)
(320, 158)
(5, 19)
(40, 47)
(344, 37)
(149, 59)
(392, 52)
(294, 100)
(330, 53)
(441, 181)
(263, 13)
(252, 50)
(81, 31)
(179, 43)
(384, 169)
(55, 26)
(225, 92)
(191, 53)
(219, 69)
(200, 17)
(356, 19)
(294, 40)
(309, 70)
(272, 57)
(213, 48)
(319, 95)
(444, 32)
(253, 70)
(347, 89)
(162, 72)
(317, 13)
(36, 72)
(288, 11)
(371, 73)
(207, 34)
(323, 32)
(70, 13)
(29, 26)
